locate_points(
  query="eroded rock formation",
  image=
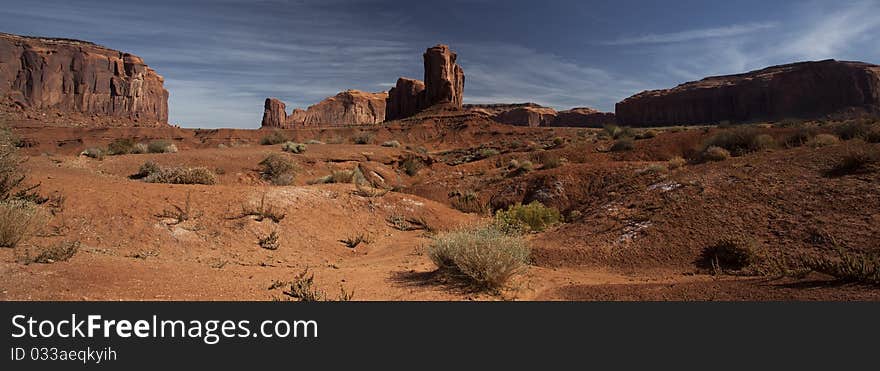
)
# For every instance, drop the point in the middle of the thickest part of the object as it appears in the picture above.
(583, 117)
(803, 90)
(443, 84)
(79, 77)
(351, 107)
(532, 114)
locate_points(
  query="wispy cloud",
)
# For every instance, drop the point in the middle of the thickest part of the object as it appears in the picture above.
(691, 35)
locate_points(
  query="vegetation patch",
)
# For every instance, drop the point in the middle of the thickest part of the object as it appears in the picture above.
(730, 254)
(293, 147)
(519, 218)
(273, 138)
(278, 170)
(19, 221)
(485, 256)
(58, 252)
(303, 288)
(152, 173)
(161, 146)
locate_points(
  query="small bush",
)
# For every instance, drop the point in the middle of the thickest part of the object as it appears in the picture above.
(94, 152)
(362, 138)
(147, 168)
(353, 241)
(412, 165)
(854, 129)
(278, 170)
(714, 153)
(799, 137)
(293, 147)
(517, 167)
(122, 146)
(273, 138)
(731, 254)
(676, 162)
(646, 134)
(140, 148)
(823, 140)
(763, 142)
(391, 143)
(59, 252)
(337, 176)
(270, 242)
(550, 161)
(180, 214)
(403, 223)
(856, 159)
(486, 256)
(535, 216)
(738, 141)
(314, 141)
(467, 202)
(488, 152)
(654, 169)
(847, 266)
(161, 146)
(302, 287)
(558, 142)
(20, 220)
(622, 145)
(182, 175)
(261, 211)
(617, 132)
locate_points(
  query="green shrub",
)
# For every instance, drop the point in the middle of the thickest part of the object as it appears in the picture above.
(622, 145)
(122, 146)
(391, 143)
(617, 132)
(278, 169)
(714, 153)
(558, 142)
(273, 138)
(93, 152)
(517, 167)
(293, 147)
(182, 175)
(488, 152)
(147, 168)
(20, 220)
(161, 146)
(486, 256)
(823, 140)
(731, 253)
(535, 217)
(11, 175)
(646, 134)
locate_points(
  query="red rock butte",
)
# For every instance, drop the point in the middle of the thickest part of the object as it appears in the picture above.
(351, 107)
(443, 85)
(72, 76)
(798, 90)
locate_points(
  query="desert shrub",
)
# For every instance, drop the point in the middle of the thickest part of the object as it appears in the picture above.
(654, 169)
(738, 141)
(517, 167)
(140, 148)
(391, 143)
(488, 152)
(278, 169)
(270, 241)
(823, 140)
(20, 220)
(147, 168)
(486, 256)
(161, 146)
(121, 146)
(622, 145)
(94, 152)
(261, 211)
(303, 288)
(535, 217)
(789, 123)
(314, 141)
(763, 141)
(799, 137)
(714, 153)
(404, 223)
(646, 134)
(617, 132)
(337, 176)
(856, 159)
(362, 138)
(11, 176)
(676, 162)
(180, 213)
(847, 266)
(353, 241)
(58, 252)
(854, 129)
(273, 138)
(182, 175)
(873, 135)
(293, 147)
(558, 142)
(467, 202)
(731, 254)
(411, 165)
(550, 161)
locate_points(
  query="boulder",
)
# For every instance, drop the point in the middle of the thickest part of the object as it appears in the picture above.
(798, 90)
(75, 76)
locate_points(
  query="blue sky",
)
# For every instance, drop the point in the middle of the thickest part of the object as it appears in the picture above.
(221, 59)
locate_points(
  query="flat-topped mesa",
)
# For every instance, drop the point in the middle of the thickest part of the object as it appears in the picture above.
(64, 75)
(583, 117)
(798, 90)
(535, 115)
(443, 85)
(351, 107)
(527, 116)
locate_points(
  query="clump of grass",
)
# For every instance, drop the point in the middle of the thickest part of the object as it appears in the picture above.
(270, 241)
(314, 141)
(161, 146)
(823, 140)
(140, 148)
(558, 142)
(488, 152)
(847, 266)
(293, 147)
(391, 143)
(856, 159)
(534, 217)
(19, 221)
(337, 176)
(517, 167)
(58, 252)
(362, 138)
(550, 161)
(404, 223)
(353, 241)
(617, 132)
(180, 214)
(181, 175)
(278, 170)
(731, 254)
(467, 202)
(147, 168)
(622, 145)
(676, 162)
(273, 138)
(485, 256)
(412, 165)
(738, 141)
(763, 142)
(303, 288)
(94, 152)
(714, 153)
(654, 169)
(800, 137)
(646, 134)
(261, 211)
(121, 146)
(855, 129)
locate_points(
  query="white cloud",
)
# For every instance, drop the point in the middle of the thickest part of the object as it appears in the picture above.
(691, 35)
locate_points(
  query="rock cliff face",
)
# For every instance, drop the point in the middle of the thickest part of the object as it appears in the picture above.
(351, 107)
(583, 117)
(79, 77)
(532, 114)
(443, 85)
(803, 90)
(527, 116)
